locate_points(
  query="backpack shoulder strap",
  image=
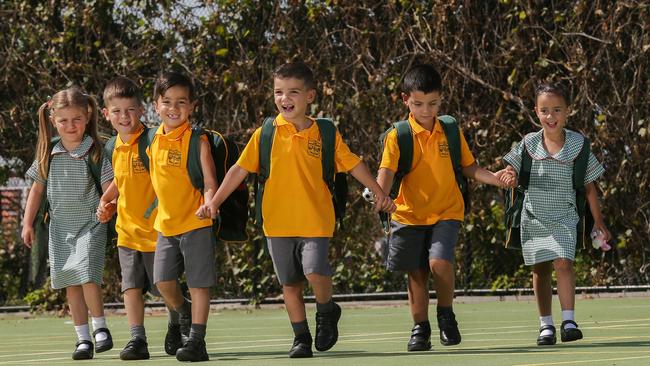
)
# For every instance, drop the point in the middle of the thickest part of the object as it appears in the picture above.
(405, 144)
(524, 171)
(95, 168)
(266, 143)
(328, 141)
(143, 143)
(109, 147)
(194, 158)
(452, 132)
(579, 173)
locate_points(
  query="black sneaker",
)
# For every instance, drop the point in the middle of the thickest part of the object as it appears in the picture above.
(193, 350)
(106, 344)
(327, 332)
(301, 346)
(136, 349)
(449, 333)
(420, 338)
(83, 354)
(173, 339)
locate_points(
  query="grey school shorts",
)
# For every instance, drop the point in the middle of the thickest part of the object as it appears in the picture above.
(137, 270)
(194, 251)
(410, 247)
(294, 257)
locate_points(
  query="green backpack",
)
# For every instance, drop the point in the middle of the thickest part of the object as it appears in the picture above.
(230, 226)
(336, 182)
(405, 143)
(39, 251)
(514, 201)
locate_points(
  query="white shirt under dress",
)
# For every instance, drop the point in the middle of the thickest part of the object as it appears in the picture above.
(549, 217)
(77, 241)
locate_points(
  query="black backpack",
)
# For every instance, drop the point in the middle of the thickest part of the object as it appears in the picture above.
(405, 143)
(514, 201)
(336, 182)
(230, 226)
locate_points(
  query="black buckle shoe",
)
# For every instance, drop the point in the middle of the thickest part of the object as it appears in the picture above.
(547, 340)
(83, 354)
(106, 344)
(136, 349)
(193, 350)
(449, 333)
(420, 338)
(327, 331)
(301, 346)
(173, 339)
(570, 334)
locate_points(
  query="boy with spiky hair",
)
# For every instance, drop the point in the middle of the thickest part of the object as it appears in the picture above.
(296, 207)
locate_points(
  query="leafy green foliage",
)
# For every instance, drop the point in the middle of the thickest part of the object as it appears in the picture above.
(490, 53)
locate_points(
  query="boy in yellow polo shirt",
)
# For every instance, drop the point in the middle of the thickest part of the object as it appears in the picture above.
(297, 210)
(136, 239)
(185, 241)
(430, 207)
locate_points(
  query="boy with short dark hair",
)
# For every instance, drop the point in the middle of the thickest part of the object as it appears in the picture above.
(186, 241)
(430, 207)
(297, 210)
(136, 239)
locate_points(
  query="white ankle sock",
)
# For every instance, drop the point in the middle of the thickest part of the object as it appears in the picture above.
(546, 320)
(99, 322)
(83, 334)
(568, 315)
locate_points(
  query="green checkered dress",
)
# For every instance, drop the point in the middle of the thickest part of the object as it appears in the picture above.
(549, 217)
(77, 240)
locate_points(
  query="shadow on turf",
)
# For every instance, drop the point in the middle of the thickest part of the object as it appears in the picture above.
(234, 356)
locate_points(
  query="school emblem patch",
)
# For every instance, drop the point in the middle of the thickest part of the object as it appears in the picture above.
(443, 149)
(174, 158)
(138, 167)
(314, 148)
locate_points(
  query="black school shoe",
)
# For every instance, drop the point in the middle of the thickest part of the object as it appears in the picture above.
(106, 344)
(327, 331)
(136, 349)
(185, 325)
(301, 346)
(420, 338)
(83, 354)
(547, 340)
(570, 334)
(173, 339)
(193, 350)
(449, 333)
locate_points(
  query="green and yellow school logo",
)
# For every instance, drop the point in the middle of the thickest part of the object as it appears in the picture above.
(314, 148)
(174, 158)
(138, 167)
(443, 148)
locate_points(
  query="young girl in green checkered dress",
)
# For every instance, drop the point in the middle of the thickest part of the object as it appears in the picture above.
(77, 240)
(549, 217)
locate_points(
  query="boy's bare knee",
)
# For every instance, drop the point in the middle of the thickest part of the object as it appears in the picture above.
(318, 278)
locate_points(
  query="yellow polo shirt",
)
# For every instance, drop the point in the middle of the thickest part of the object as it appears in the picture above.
(296, 199)
(429, 192)
(178, 200)
(134, 231)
